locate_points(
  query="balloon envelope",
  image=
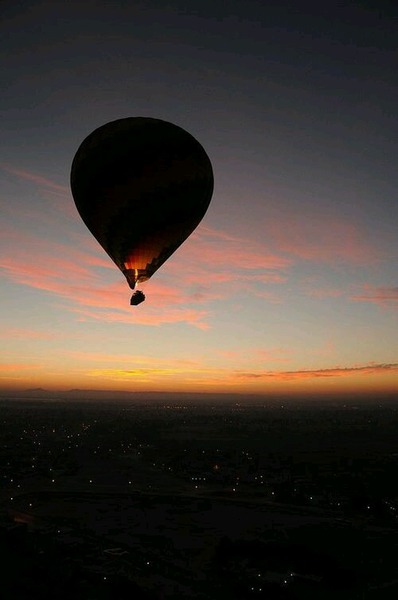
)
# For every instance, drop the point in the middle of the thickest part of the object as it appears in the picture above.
(141, 186)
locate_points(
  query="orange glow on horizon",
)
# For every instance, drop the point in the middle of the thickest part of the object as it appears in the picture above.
(377, 379)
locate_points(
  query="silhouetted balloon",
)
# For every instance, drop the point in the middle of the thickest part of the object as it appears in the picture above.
(141, 186)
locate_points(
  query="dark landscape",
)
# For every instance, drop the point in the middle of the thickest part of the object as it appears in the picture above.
(177, 500)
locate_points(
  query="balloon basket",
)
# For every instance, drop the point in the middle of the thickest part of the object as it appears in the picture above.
(137, 298)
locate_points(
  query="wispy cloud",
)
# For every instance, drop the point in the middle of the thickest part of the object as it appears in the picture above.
(36, 178)
(211, 266)
(71, 272)
(215, 265)
(45, 264)
(320, 239)
(58, 196)
(383, 296)
(371, 369)
(197, 318)
(219, 249)
(71, 275)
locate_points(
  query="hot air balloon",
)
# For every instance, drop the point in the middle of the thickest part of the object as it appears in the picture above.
(141, 185)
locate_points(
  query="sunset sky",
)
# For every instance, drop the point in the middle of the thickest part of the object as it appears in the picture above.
(290, 283)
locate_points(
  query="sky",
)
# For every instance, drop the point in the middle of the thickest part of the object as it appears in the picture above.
(290, 283)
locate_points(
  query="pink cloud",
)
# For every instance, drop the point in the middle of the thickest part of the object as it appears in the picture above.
(32, 250)
(312, 237)
(197, 318)
(214, 276)
(383, 296)
(59, 196)
(110, 302)
(209, 267)
(37, 179)
(47, 276)
(219, 249)
(320, 239)
(69, 273)
(216, 264)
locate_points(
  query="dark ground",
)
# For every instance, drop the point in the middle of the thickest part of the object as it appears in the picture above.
(171, 501)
